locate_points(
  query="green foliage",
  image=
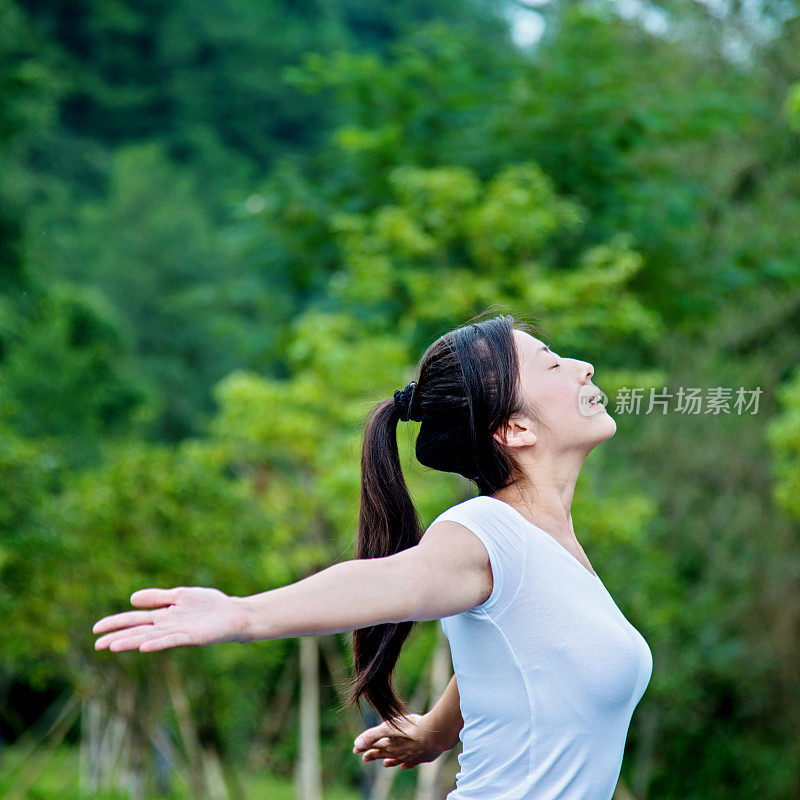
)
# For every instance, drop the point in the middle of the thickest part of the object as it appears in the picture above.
(59, 780)
(25, 82)
(601, 107)
(152, 248)
(793, 106)
(431, 103)
(783, 435)
(29, 91)
(449, 248)
(68, 372)
(29, 551)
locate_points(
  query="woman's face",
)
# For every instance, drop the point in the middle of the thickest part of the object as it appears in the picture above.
(560, 389)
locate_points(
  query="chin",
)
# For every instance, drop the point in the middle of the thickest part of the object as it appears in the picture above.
(603, 428)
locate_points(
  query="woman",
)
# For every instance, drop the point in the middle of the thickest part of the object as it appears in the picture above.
(548, 669)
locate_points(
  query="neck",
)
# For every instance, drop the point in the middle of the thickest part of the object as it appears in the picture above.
(544, 493)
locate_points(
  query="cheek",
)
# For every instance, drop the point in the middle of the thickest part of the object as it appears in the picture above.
(558, 403)
(556, 398)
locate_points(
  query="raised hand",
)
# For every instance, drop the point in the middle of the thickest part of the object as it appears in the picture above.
(417, 742)
(182, 617)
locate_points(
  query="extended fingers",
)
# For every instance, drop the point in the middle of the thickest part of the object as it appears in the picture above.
(140, 631)
(149, 642)
(128, 643)
(374, 755)
(143, 598)
(153, 598)
(173, 640)
(126, 619)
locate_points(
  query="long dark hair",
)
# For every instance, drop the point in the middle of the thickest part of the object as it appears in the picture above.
(468, 386)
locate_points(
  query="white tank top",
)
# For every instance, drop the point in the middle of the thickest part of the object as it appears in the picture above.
(549, 670)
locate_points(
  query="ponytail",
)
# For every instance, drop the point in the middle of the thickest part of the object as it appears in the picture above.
(387, 524)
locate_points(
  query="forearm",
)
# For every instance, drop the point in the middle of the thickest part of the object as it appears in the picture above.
(445, 717)
(343, 597)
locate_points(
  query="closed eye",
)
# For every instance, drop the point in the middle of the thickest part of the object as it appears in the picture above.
(555, 365)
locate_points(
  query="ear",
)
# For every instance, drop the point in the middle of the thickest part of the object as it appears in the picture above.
(515, 433)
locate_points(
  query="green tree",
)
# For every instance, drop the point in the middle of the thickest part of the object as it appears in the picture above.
(152, 248)
(30, 92)
(67, 372)
(601, 106)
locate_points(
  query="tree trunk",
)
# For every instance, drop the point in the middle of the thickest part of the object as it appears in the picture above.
(622, 792)
(87, 753)
(428, 775)
(188, 733)
(125, 753)
(338, 672)
(648, 732)
(279, 705)
(213, 774)
(308, 781)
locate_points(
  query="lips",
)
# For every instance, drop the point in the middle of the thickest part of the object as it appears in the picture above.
(591, 397)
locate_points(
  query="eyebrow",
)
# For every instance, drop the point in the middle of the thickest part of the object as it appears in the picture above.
(546, 347)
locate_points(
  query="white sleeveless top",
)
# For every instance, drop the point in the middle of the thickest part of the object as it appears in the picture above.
(549, 670)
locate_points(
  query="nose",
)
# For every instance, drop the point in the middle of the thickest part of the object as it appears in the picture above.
(588, 370)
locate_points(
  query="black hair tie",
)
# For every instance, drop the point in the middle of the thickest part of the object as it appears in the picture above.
(403, 398)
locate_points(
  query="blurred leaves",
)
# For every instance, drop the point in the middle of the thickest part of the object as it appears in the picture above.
(783, 435)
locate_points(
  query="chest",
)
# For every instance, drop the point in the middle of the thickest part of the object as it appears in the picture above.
(577, 640)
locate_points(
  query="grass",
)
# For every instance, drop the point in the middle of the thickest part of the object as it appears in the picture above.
(58, 780)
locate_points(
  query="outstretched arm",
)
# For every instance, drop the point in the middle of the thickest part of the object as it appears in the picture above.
(423, 738)
(447, 573)
(343, 597)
